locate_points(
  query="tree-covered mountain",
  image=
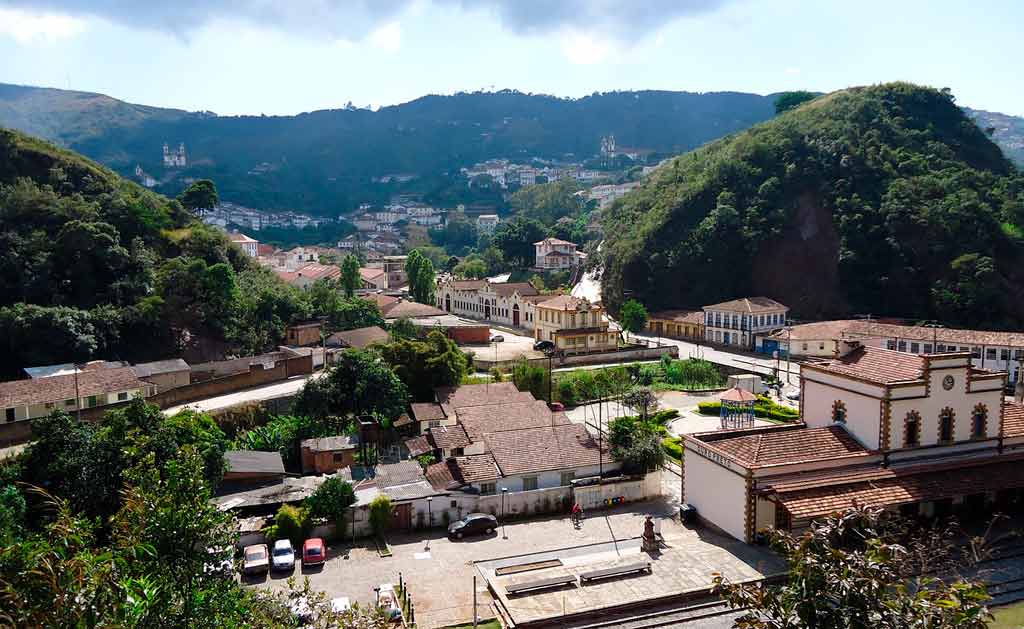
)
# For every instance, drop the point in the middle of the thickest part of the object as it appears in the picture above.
(325, 161)
(884, 199)
(1006, 131)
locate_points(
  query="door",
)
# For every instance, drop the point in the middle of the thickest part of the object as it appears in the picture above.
(401, 517)
(515, 315)
(726, 337)
(769, 346)
(448, 303)
(487, 310)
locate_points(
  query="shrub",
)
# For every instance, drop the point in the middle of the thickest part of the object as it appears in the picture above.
(532, 378)
(496, 375)
(380, 515)
(331, 500)
(673, 447)
(291, 523)
(566, 392)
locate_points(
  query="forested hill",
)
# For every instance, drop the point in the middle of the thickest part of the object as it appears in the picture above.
(884, 200)
(94, 266)
(324, 161)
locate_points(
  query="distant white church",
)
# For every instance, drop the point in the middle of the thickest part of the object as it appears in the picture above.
(175, 159)
(144, 177)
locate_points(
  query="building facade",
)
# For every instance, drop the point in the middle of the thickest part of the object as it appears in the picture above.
(553, 254)
(677, 324)
(23, 400)
(486, 223)
(511, 304)
(922, 435)
(574, 325)
(249, 245)
(738, 322)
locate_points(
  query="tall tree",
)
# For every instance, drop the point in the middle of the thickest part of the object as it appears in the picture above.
(200, 197)
(515, 240)
(425, 365)
(350, 277)
(633, 316)
(359, 382)
(422, 282)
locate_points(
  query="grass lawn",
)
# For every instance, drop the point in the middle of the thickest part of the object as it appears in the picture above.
(1009, 617)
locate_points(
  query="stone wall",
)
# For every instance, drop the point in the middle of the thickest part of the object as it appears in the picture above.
(255, 376)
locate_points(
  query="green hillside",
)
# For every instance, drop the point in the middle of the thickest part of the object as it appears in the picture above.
(1006, 131)
(883, 199)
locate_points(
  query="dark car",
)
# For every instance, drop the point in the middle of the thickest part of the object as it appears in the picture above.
(543, 346)
(473, 524)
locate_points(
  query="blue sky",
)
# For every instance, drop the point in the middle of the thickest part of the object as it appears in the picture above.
(260, 56)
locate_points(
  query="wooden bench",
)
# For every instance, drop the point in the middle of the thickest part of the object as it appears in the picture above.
(617, 571)
(540, 584)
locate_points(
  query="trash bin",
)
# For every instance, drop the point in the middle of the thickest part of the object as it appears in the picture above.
(687, 513)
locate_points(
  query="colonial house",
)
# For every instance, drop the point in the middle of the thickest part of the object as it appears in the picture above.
(22, 400)
(1001, 351)
(487, 223)
(373, 279)
(553, 254)
(511, 304)
(922, 434)
(309, 274)
(739, 321)
(249, 245)
(677, 324)
(394, 267)
(574, 325)
(448, 400)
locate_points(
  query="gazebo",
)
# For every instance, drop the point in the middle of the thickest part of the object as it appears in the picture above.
(737, 408)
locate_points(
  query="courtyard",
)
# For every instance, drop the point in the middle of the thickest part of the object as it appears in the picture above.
(440, 572)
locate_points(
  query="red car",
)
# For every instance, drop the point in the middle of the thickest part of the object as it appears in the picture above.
(314, 553)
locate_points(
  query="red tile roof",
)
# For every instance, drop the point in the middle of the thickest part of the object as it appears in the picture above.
(370, 275)
(506, 289)
(748, 305)
(874, 364)
(383, 301)
(532, 450)
(419, 445)
(59, 388)
(567, 302)
(426, 411)
(1013, 419)
(678, 316)
(761, 448)
(482, 420)
(469, 284)
(451, 398)
(315, 271)
(448, 437)
(456, 472)
(359, 338)
(905, 487)
(410, 309)
(554, 241)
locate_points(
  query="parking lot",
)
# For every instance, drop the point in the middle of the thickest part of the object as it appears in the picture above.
(439, 572)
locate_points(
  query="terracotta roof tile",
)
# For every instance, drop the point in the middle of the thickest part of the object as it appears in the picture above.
(875, 364)
(506, 289)
(456, 472)
(60, 388)
(411, 309)
(567, 302)
(359, 338)
(678, 316)
(315, 271)
(562, 447)
(788, 446)
(448, 437)
(1013, 419)
(469, 284)
(451, 398)
(748, 305)
(426, 411)
(482, 420)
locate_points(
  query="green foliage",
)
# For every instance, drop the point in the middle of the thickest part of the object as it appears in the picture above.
(420, 271)
(472, 268)
(403, 328)
(692, 373)
(633, 316)
(291, 523)
(358, 383)
(496, 374)
(852, 570)
(673, 447)
(900, 184)
(12, 513)
(532, 377)
(642, 400)
(422, 366)
(284, 432)
(548, 202)
(351, 280)
(585, 385)
(790, 100)
(515, 240)
(200, 197)
(636, 443)
(356, 313)
(380, 514)
(764, 408)
(457, 236)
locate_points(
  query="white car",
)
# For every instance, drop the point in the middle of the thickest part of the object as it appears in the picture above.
(283, 557)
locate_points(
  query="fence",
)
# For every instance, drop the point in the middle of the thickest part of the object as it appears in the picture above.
(256, 375)
(630, 489)
(524, 503)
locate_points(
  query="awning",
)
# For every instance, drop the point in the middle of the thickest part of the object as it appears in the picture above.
(903, 489)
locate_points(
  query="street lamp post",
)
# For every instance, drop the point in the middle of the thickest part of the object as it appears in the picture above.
(430, 515)
(504, 531)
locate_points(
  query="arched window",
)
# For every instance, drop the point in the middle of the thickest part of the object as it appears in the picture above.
(912, 430)
(839, 412)
(947, 424)
(979, 421)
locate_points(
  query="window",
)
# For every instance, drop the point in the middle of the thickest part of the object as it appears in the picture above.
(990, 353)
(455, 504)
(91, 401)
(839, 412)
(339, 457)
(49, 405)
(927, 348)
(568, 478)
(458, 451)
(1004, 354)
(1018, 354)
(433, 423)
(122, 396)
(821, 346)
(902, 346)
(947, 422)
(975, 352)
(69, 402)
(890, 345)
(529, 483)
(9, 414)
(912, 430)
(915, 348)
(805, 347)
(939, 348)
(979, 421)
(486, 489)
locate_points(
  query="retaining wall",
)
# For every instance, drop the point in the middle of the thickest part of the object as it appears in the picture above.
(255, 376)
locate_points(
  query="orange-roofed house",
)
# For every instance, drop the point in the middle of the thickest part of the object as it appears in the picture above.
(574, 325)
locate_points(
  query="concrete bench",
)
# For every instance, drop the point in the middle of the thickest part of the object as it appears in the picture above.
(540, 584)
(617, 571)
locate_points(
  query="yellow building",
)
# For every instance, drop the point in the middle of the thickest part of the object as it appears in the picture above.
(677, 324)
(574, 325)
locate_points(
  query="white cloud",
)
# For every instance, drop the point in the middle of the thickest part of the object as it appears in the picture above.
(387, 37)
(28, 28)
(587, 49)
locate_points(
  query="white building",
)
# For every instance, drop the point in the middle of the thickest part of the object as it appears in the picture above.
(175, 159)
(487, 223)
(249, 245)
(608, 194)
(737, 322)
(144, 178)
(506, 303)
(924, 435)
(553, 254)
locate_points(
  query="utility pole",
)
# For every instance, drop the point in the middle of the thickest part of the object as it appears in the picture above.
(474, 602)
(600, 442)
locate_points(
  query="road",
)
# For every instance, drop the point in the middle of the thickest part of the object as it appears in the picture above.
(747, 362)
(283, 388)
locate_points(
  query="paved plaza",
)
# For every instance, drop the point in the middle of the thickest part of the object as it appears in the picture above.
(439, 572)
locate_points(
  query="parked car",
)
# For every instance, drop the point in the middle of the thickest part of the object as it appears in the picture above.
(556, 407)
(387, 601)
(284, 555)
(256, 559)
(794, 396)
(497, 338)
(314, 552)
(543, 346)
(473, 524)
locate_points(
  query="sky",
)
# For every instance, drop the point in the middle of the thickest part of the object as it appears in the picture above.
(276, 57)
